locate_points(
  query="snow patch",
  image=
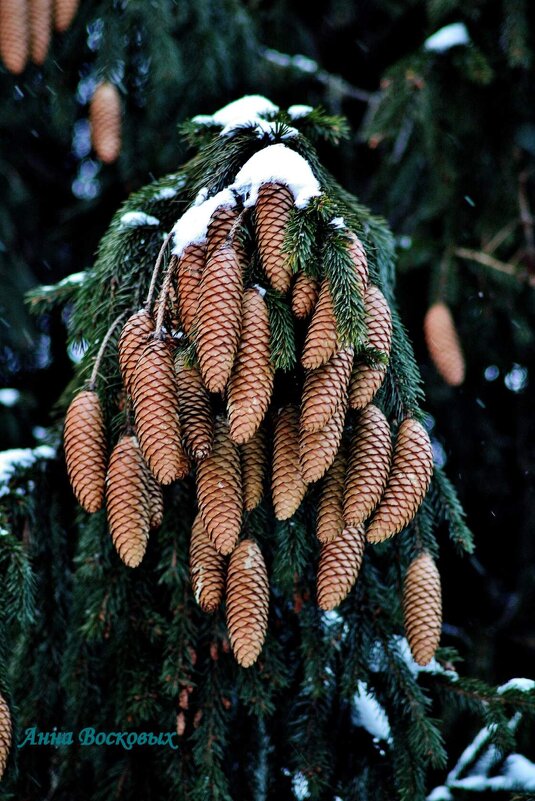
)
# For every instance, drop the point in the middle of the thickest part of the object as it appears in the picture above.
(166, 193)
(245, 111)
(368, 713)
(337, 222)
(524, 685)
(447, 37)
(73, 278)
(14, 458)
(9, 397)
(192, 227)
(133, 219)
(441, 793)
(298, 111)
(277, 164)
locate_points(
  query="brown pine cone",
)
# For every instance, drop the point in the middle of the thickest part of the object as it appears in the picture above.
(154, 394)
(64, 13)
(412, 467)
(253, 465)
(317, 449)
(219, 227)
(358, 256)
(206, 568)
(251, 382)
(287, 485)
(364, 384)
(368, 467)
(127, 501)
(272, 212)
(189, 271)
(219, 491)
(196, 414)
(325, 389)
(422, 608)
(304, 295)
(330, 522)
(14, 34)
(156, 507)
(339, 566)
(6, 732)
(443, 344)
(321, 340)
(40, 29)
(133, 340)
(219, 317)
(378, 320)
(85, 450)
(247, 602)
(105, 119)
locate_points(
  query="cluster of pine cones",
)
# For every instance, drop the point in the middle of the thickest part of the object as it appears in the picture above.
(221, 412)
(26, 29)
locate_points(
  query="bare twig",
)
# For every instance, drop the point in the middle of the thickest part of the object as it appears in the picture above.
(156, 270)
(100, 354)
(486, 259)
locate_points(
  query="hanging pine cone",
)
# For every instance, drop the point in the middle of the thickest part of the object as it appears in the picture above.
(127, 501)
(206, 567)
(251, 382)
(317, 449)
(358, 257)
(156, 506)
(154, 394)
(364, 384)
(304, 295)
(6, 732)
(287, 485)
(189, 271)
(443, 344)
(321, 340)
(412, 467)
(133, 340)
(14, 34)
(370, 456)
(219, 317)
(339, 566)
(105, 119)
(272, 212)
(64, 13)
(196, 415)
(219, 491)
(219, 227)
(330, 522)
(422, 608)
(247, 602)
(40, 29)
(85, 450)
(325, 389)
(253, 465)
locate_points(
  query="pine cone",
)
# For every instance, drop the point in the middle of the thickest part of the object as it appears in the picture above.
(251, 382)
(325, 389)
(321, 340)
(133, 340)
(156, 506)
(189, 272)
(378, 320)
(304, 295)
(422, 608)
(195, 408)
(247, 602)
(339, 566)
(443, 344)
(105, 119)
(317, 449)
(219, 317)
(364, 384)
(412, 467)
(206, 567)
(154, 393)
(127, 501)
(40, 29)
(14, 34)
(219, 227)
(253, 464)
(330, 523)
(85, 450)
(358, 256)
(64, 13)
(219, 491)
(368, 466)
(272, 212)
(6, 731)
(287, 485)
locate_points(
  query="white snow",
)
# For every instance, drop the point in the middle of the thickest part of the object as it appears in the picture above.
(300, 786)
(73, 278)
(441, 793)
(260, 289)
(133, 219)
(192, 227)
(9, 397)
(449, 36)
(250, 110)
(166, 193)
(297, 111)
(278, 164)
(337, 222)
(20, 457)
(524, 685)
(520, 771)
(368, 713)
(305, 64)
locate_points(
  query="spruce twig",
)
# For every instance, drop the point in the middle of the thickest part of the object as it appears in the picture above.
(157, 265)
